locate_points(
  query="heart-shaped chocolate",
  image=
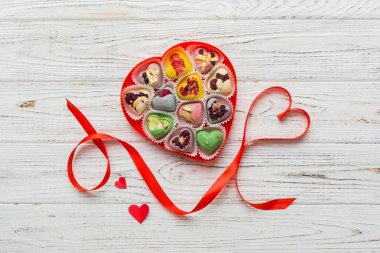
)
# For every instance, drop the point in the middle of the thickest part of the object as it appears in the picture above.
(159, 125)
(190, 87)
(164, 100)
(220, 82)
(177, 63)
(182, 140)
(183, 101)
(218, 109)
(209, 140)
(205, 60)
(191, 113)
(151, 75)
(136, 100)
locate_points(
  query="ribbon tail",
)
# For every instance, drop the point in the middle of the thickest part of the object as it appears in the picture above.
(274, 204)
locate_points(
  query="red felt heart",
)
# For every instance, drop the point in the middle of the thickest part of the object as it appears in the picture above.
(139, 213)
(159, 96)
(121, 184)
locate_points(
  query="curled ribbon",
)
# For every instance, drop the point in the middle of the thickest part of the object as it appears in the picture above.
(152, 182)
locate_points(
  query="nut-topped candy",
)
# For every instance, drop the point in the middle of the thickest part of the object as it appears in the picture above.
(191, 113)
(159, 125)
(205, 60)
(137, 100)
(152, 75)
(220, 82)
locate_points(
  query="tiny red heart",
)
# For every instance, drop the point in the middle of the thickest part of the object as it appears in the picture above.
(121, 184)
(139, 213)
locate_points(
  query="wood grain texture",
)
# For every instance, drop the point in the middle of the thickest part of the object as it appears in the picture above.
(326, 52)
(264, 50)
(188, 9)
(106, 228)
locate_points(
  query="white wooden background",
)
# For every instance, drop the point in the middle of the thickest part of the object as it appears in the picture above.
(326, 52)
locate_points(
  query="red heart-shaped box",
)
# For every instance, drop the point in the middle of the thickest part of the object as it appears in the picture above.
(191, 74)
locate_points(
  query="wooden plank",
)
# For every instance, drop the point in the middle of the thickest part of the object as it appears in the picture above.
(36, 112)
(187, 9)
(269, 50)
(109, 228)
(319, 173)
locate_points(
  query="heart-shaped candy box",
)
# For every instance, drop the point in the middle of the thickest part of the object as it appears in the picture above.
(183, 101)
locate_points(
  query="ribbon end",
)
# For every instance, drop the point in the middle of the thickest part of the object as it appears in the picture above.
(275, 204)
(68, 103)
(281, 115)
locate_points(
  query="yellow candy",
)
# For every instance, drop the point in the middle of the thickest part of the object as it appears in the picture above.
(190, 87)
(177, 63)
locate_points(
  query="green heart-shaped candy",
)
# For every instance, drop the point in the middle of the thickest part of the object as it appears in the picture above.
(159, 125)
(209, 141)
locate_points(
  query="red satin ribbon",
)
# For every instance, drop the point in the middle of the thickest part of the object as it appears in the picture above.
(151, 181)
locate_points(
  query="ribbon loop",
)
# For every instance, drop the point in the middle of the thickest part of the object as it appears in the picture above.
(152, 182)
(280, 116)
(274, 204)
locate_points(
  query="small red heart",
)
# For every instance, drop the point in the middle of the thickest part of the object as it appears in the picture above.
(121, 184)
(139, 213)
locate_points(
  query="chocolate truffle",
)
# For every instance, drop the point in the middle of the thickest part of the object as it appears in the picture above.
(137, 100)
(182, 140)
(205, 60)
(209, 140)
(164, 100)
(218, 110)
(220, 82)
(159, 125)
(152, 75)
(191, 113)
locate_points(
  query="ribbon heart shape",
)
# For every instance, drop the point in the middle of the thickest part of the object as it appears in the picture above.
(274, 204)
(215, 188)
